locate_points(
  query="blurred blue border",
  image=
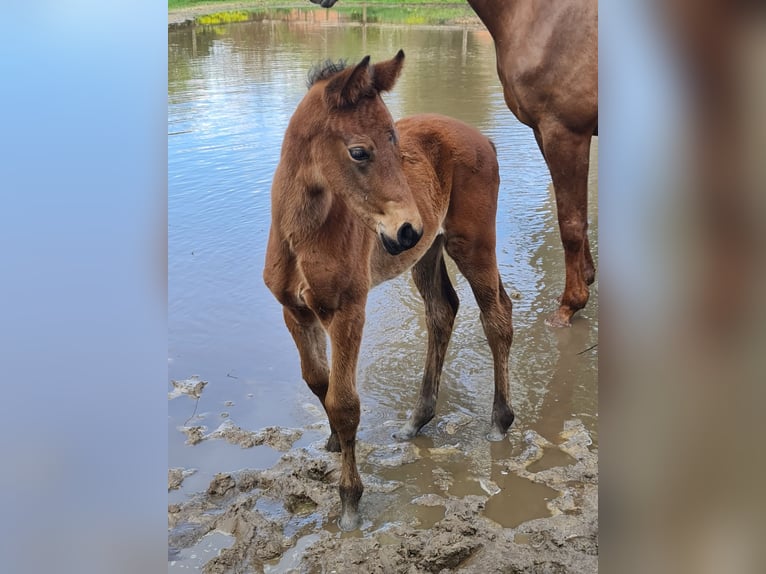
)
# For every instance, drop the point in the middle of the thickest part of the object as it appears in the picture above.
(83, 289)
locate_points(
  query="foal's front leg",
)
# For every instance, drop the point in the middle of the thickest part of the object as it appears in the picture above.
(342, 403)
(311, 340)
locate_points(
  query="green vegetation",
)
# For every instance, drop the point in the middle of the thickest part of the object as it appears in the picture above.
(175, 4)
(221, 12)
(408, 14)
(223, 18)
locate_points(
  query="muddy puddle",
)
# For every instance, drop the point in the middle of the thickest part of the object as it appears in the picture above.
(249, 487)
(282, 519)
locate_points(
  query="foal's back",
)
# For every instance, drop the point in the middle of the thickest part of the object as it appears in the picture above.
(449, 145)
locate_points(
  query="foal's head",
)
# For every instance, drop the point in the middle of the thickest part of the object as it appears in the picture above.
(354, 147)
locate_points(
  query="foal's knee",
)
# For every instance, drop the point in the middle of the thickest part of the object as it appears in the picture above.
(344, 411)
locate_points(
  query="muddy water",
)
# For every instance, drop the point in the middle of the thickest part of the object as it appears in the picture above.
(231, 91)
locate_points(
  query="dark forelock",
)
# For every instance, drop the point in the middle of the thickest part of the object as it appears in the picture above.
(324, 71)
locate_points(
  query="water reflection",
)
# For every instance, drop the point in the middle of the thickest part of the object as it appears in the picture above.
(231, 91)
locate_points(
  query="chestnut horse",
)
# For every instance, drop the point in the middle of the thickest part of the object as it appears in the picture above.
(358, 199)
(547, 61)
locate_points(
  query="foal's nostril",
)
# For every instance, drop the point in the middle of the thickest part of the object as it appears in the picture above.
(407, 236)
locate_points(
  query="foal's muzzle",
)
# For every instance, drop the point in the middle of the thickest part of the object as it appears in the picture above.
(406, 238)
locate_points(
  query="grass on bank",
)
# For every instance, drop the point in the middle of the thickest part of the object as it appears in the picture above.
(177, 4)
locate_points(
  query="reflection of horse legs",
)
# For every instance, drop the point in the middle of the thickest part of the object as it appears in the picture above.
(441, 303)
(311, 340)
(557, 405)
(567, 156)
(477, 262)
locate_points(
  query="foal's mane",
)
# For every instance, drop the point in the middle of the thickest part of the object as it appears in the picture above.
(324, 70)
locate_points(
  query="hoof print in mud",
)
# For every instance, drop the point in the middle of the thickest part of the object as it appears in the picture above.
(220, 485)
(300, 504)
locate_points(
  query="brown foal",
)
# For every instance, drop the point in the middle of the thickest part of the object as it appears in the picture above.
(358, 199)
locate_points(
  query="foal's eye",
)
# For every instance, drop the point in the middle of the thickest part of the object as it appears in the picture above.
(358, 153)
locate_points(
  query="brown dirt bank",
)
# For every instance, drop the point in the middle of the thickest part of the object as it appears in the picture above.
(282, 520)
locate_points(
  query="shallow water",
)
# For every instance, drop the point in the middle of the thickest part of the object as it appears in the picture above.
(231, 91)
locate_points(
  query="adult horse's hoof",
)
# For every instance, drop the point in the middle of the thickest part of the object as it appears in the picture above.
(407, 432)
(404, 435)
(560, 318)
(419, 418)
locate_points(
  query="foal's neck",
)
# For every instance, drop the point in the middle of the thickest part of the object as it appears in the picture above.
(310, 208)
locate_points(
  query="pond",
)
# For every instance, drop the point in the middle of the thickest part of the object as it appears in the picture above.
(232, 87)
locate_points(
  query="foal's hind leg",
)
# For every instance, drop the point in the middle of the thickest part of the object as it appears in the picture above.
(477, 262)
(311, 340)
(441, 302)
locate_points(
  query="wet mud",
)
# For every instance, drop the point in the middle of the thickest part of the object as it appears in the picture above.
(282, 519)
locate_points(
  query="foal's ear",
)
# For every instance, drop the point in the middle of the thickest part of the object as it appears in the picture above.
(347, 89)
(385, 74)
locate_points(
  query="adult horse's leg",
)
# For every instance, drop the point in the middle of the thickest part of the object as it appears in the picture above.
(475, 257)
(568, 155)
(342, 403)
(588, 266)
(441, 302)
(311, 340)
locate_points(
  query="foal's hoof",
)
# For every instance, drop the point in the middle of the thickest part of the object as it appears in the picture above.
(502, 419)
(348, 522)
(333, 444)
(496, 435)
(349, 516)
(349, 506)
